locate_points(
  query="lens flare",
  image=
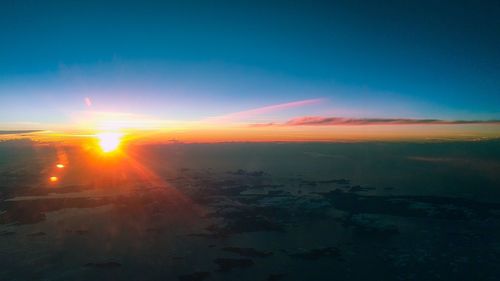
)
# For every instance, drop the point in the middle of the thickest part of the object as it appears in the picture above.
(109, 141)
(53, 179)
(60, 166)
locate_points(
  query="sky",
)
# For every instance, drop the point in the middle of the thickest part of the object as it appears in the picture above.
(155, 64)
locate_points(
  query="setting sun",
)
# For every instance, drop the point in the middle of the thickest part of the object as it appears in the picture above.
(109, 141)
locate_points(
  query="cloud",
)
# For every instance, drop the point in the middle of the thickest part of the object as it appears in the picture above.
(17, 132)
(88, 102)
(264, 110)
(339, 121)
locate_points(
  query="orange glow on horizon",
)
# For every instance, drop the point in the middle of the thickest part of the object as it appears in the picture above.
(111, 140)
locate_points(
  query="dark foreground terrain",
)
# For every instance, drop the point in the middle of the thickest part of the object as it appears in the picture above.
(360, 211)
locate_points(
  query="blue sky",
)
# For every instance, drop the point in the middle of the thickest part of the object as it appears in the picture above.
(190, 60)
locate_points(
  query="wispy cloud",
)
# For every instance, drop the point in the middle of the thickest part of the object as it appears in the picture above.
(339, 121)
(263, 110)
(18, 132)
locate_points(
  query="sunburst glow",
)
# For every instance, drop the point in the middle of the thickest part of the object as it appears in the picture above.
(109, 141)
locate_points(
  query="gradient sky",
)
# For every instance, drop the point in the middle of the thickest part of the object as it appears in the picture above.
(211, 60)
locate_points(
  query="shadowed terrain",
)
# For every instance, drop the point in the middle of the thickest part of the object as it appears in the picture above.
(263, 211)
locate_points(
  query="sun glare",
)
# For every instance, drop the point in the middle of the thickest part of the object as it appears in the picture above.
(109, 141)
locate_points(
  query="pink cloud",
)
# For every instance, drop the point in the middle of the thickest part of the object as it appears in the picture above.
(265, 109)
(339, 121)
(88, 102)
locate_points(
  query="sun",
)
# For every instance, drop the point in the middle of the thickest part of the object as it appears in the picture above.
(109, 141)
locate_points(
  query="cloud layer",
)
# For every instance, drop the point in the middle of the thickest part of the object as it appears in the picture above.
(17, 132)
(339, 121)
